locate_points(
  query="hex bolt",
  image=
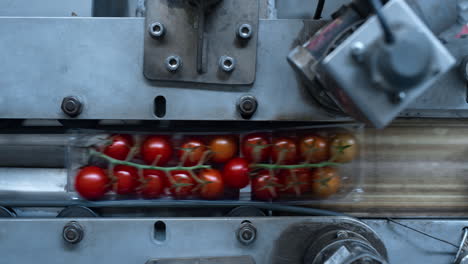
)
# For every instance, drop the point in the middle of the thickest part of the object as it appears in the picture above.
(73, 232)
(247, 106)
(244, 32)
(342, 234)
(173, 63)
(227, 64)
(72, 106)
(358, 51)
(247, 233)
(156, 30)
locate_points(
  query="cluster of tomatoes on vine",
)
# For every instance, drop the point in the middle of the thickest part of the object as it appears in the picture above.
(136, 166)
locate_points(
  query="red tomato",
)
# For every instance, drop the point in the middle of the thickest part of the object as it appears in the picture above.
(153, 183)
(295, 181)
(120, 147)
(236, 173)
(325, 182)
(92, 183)
(256, 147)
(193, 150)
(181, 184)
(213, 188)
(265, 186)
(125, 180)
(156, 147)
(223, 148)
(284, 149)
(314, 149)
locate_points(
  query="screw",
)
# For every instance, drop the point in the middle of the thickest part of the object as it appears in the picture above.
(73, 233)
(156, 30)
(342, 234)
(227, 64)
(358, 51)
(244, 32)
(173, 63)
(247, 106)
(247, 233)
(72, 106)
(398, 97)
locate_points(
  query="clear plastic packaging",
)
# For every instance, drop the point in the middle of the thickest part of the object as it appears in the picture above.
(311, 176)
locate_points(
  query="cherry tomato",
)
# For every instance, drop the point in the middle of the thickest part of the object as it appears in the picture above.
(236, 173)
(153, 184)
(325, 182)
(223, 148)
(120, 147)
(213, 188)
(193, 150)
(156, 147)
(286, 149)
(92, 183)
(265, 186)
(343, 148)
(295, 181)
(256, 147)
(314, 149)
(125, 179)
(181, 184)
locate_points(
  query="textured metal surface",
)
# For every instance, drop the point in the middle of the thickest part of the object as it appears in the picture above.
(101, 60)
(133, 240)
(219, 39)
(351, 84)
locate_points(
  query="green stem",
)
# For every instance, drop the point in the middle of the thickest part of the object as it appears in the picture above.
(148, 167)
(298, 166)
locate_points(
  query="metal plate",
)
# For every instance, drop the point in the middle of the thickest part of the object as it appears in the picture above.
(132, 240)
(180, 39)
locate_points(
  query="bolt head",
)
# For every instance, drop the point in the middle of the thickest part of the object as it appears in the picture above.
(342, 234)
(72, 233)
(72, 106)
(358, 51)
(156, 30)
(398, 97)
(244, 32)
(247, 106)
(227, 64)
(246, 234)
(173, 63)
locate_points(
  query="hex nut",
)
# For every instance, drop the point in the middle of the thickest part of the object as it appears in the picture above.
(73, 232)
(227, 64)
(173, 63)
(156, 30)
(244, 31)
(247, 106)
(72, 106)
(247, 233)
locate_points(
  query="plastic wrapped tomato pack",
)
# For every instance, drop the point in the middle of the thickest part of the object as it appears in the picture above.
(286, 165)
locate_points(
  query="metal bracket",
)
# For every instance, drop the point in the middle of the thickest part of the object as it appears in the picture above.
(202, 43)
(461, 256)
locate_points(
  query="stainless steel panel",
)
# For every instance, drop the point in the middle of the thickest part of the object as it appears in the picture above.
(101, 61)
(46, 8)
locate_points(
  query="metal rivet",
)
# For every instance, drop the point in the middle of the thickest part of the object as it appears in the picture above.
(72, 106)
(398, 97)
(227, 64)
(73, 233)
(358, 51)
(156, 30)
(244, 31)
(173, 63)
